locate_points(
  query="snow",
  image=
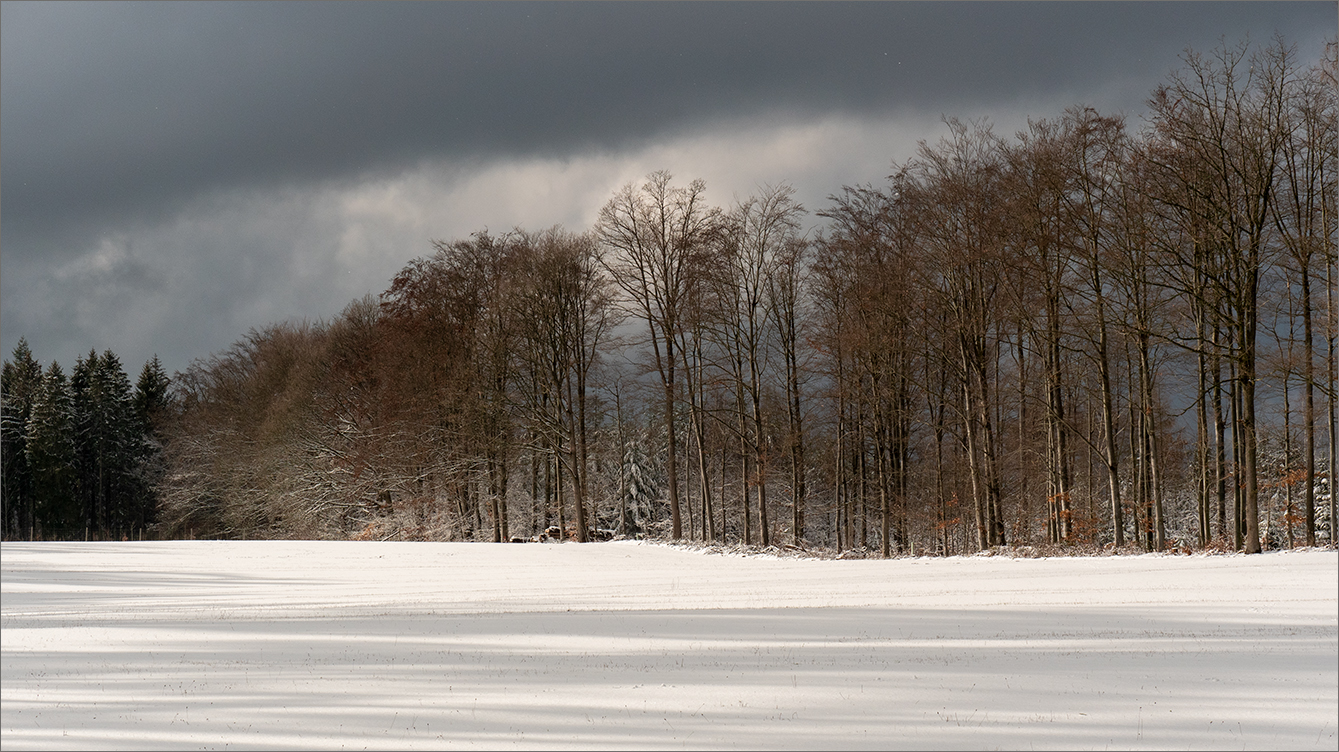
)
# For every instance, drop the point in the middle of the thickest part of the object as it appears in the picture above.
(304, 644)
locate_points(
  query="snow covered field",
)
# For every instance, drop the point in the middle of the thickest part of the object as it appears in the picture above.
(207, 644)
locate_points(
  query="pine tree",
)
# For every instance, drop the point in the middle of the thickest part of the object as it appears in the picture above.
(18, 387)
(151, 397)
(51, 454)
(639, 491)
(152, 406)
(109, 444)
(84, 407)
(118, 436)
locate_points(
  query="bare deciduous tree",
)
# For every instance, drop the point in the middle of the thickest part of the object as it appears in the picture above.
(656, 237)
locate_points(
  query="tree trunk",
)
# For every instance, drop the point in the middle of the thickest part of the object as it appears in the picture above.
(1309, 412)
(1147, 400)
(973, 464)
(797, 472)
(583, 521)
(1250, 487)
(741, 422)
(1219, 438)
(1332, 369)
(881, 452)
(699, 431)
(760, 452)
(839, 469)
(672, 462)
(1202, 444)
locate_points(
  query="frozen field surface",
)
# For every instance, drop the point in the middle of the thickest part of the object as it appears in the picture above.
(208, 644)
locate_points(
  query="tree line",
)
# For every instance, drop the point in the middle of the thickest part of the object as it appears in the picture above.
(1083, 335)
(1024, 324)
(82, 453)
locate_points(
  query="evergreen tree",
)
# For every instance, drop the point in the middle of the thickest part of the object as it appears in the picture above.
(152, 407)
(84, 399)
(152, 400)
(639, 491)
(82, 452)
(109, 439)
(119, 440)
(18, 386)
(51, 454)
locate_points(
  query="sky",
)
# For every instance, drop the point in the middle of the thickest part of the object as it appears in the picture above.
(173, 175)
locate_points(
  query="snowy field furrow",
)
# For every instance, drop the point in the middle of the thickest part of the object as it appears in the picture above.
(435, 645)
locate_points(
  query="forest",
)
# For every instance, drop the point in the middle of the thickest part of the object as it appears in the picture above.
(1086, 335)
(82, 453)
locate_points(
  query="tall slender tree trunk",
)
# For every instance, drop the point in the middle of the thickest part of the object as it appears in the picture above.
(1058, 433)
(1202, 485)
(1234, 416)
(558, 495)
(743, 459)
(861, 460)
(722, 496)
(839, 465)
(1309, 411)
(672, 460)
(1285, 472)
(760, 452)
(1332, 370)
(1150, 438)
(973, 464)
(495, 508)
(583, 521)
(1110, 458)
(1023, 475)
(1219, 438)
(1250, 489)
(1138, 487)
(699, 431)
(708, 518)
(943, 524)
(797, 471)
(881, 451)
(534, 490)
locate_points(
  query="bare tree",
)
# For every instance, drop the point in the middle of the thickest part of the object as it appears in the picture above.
(961, 232)
(657, 236)
(1098, 153)
(762, 229)
(1219, 132)
(786, 290)
(1300, 214)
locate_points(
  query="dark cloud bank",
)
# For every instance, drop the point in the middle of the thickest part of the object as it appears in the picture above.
(115, 116)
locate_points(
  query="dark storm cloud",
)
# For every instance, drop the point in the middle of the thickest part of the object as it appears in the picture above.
(114, 114)
(177, 173)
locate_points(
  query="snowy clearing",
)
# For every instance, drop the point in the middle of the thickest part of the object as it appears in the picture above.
(207, 644)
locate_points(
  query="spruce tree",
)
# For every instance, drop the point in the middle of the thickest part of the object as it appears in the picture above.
(152, 406)
(18, 387)
(84, 399)
(151, 397)
(119, 436)
(639, 491)
(108, 444)
(51, 455)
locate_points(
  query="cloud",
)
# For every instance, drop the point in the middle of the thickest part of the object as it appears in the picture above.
(176, 173)
(236, 260)
(116, 113)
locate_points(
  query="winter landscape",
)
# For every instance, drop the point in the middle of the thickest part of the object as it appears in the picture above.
(899, 375)
(286, 644)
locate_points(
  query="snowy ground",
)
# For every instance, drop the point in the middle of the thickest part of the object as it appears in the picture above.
(426, 645)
